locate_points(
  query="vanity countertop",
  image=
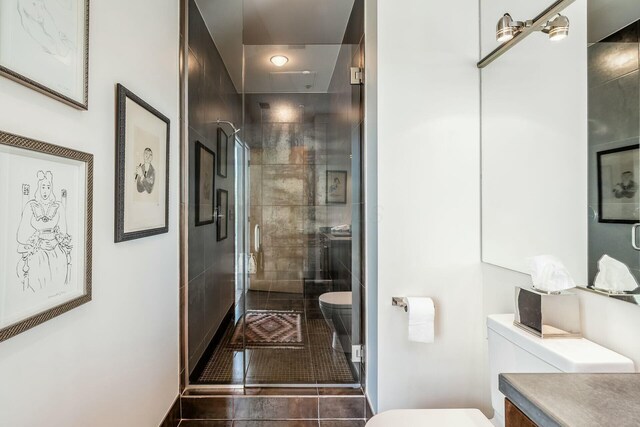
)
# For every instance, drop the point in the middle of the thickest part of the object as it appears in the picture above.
(580, 400)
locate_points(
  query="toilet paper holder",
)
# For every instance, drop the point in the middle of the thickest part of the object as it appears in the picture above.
(400, 302)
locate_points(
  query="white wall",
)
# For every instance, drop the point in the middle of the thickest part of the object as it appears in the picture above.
(534, 143)
(428, 202)
(113, 361)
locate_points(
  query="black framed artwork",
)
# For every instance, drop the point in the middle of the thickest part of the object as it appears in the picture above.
(46, 232)
(618, 198)
(205, 185)
(336, 187)
(142, 169)
(223, 214)
(223, 145)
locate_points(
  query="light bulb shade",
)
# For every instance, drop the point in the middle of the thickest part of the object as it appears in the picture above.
(279, 60)
(558, 28)
(504, 28)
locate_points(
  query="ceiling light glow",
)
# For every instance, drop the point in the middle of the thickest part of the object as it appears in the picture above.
(279, 60)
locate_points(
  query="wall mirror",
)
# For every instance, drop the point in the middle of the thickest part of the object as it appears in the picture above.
(560, 135)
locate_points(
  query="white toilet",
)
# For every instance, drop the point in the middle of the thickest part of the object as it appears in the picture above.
(512, 350)
(336, 309)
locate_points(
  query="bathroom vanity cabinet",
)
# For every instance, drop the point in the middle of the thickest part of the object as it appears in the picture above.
(514, 417)
(571, 400)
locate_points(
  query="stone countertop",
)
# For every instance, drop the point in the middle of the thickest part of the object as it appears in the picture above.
(575, 400)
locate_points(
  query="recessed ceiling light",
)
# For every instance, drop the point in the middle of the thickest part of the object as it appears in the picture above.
(279, 60)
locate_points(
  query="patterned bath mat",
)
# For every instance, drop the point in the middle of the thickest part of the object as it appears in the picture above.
(269, 328)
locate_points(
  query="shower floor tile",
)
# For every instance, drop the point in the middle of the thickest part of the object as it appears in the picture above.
(314, 363)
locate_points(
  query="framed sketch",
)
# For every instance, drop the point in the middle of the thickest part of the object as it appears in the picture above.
(45, 232)
(336, 187)
(45, 45)
(223, 214)
(223, 145)
(618, 171)
(205, 185)
(142, 169)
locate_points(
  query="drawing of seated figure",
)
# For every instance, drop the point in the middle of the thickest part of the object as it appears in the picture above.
(145, 173)
(43, 242)
(38, 21)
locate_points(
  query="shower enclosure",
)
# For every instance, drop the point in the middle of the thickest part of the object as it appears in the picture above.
(297, 313)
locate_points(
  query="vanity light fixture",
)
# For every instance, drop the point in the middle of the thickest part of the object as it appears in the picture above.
(557, 28)
(509, 32)
(279, 60)
(507, 28)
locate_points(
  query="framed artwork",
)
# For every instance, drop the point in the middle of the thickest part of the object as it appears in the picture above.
(142, 169)
(45, 232)
(223, 143)
(618, 171)
(223, 214)
(45, 45)
(205, 185)
(336, 187)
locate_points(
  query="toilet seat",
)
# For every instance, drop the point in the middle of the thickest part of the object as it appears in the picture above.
(430, 417)
(336, 299)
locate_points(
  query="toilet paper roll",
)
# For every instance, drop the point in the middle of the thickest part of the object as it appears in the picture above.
(421, 319)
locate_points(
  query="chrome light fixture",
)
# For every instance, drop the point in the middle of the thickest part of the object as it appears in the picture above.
(507, 28)
(557, 28)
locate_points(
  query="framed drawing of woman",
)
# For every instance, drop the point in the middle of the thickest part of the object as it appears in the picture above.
(45, 232)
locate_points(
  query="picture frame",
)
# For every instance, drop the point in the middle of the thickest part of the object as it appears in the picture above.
(618, 196)
(45, 232)
(223, 148)
(142, 168)
(222, 209)
(55, 63)
(336, 187)
(205, 182)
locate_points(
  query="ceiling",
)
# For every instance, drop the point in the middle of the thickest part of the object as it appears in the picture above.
(265, 28)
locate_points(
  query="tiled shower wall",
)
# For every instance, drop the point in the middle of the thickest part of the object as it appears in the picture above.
(288, 168)
(211, 265)
(614, 122)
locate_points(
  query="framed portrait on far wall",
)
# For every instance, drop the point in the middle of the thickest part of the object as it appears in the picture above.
(223, 145)
(336, 187)
(205, 185)
(223, 214)
(618, 198)
(142, 169)
(45, 232)
(45, 45)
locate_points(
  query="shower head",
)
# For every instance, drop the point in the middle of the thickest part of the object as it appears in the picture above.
(235, 130)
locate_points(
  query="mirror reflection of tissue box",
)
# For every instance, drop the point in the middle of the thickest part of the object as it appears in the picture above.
(548, 315)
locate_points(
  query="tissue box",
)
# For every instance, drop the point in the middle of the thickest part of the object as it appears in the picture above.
(548, 315)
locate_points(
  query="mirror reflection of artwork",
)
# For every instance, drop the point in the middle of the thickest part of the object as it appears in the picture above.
(336, 186)
(45, 232)
(205, 185)
(618, 196)
(142, 181)
(44, 44)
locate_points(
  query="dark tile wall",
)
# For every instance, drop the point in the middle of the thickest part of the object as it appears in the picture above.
(614, 122)
(211, 263)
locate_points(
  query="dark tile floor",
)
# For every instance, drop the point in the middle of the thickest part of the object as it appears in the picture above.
(314, 363)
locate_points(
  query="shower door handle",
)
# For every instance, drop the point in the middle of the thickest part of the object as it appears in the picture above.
(634, 236)
(256, 237)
